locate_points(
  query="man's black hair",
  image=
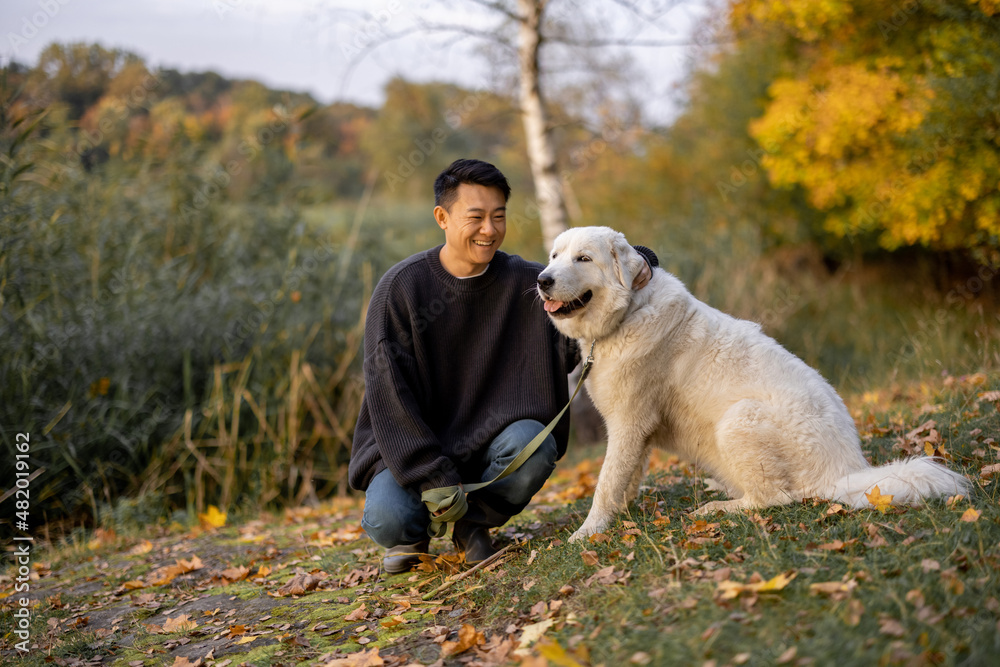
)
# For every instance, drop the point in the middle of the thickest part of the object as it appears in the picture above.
(473, 172)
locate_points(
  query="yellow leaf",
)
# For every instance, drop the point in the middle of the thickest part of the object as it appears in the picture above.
(879, 501)
(133, 585)
(212, 518)
(556, 654)
(180, 623)
(143, 547)
(246, 639)
(970, 515)
(778, 582)
(728, 590)
(369, 658)
(532, 633)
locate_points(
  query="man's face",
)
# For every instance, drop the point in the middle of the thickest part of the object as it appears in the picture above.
(473, 229)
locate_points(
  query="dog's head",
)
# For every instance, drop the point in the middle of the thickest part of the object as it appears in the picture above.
(587, 286)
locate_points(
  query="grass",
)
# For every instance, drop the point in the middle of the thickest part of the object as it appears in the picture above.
(857, 587)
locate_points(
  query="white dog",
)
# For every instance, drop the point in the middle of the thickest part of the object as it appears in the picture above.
(673, 372)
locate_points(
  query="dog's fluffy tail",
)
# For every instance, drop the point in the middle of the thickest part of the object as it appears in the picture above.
(908, 482)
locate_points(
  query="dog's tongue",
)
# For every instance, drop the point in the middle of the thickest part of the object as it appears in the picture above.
(553, 306)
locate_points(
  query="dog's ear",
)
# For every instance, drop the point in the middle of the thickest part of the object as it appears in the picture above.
(626, 259)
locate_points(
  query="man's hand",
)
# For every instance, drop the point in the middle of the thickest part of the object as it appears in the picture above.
(643, 277)
(445, 509)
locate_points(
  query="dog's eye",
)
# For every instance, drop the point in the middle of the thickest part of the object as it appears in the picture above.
(554, 255)
(583, 258)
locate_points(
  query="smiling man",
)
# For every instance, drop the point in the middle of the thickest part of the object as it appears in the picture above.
(462, 369)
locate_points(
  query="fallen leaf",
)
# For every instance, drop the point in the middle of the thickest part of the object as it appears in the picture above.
(728, 590)
(835, 589)
(235, 574)
(467, 638)
(180, 623)
(855, 610)
(787, 656)
(181, 661)
(589, 557)
(532, 633)
(928, 565)
(212, 518)
(236, 631)
(551, 650)
(989, 471)
(970, 515)
(879, 501)
(300, 583)
(143, 547)
(359, 614)
(891, 627)
(369, 658)
(640, 658)
(246, 639)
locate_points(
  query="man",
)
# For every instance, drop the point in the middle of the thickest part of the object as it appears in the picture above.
(462, 369)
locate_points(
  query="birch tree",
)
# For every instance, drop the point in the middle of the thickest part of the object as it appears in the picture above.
(523, 29)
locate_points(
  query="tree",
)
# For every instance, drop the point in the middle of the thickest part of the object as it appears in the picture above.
(78, 74)
(888, 115)
(521, 29)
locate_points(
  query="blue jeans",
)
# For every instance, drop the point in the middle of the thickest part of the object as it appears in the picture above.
(394, 516)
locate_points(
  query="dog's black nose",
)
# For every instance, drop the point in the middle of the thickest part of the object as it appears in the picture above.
(545, 281)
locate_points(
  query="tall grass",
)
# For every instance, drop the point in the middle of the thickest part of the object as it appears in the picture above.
(185, 354)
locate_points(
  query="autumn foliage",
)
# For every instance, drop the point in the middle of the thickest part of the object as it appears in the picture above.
(887, 114)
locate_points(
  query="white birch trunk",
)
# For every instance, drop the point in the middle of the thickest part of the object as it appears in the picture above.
(541, 151)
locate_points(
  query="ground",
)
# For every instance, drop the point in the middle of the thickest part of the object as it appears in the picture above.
(811, 583)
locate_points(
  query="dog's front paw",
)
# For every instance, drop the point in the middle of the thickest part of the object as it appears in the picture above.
(588, 528)
(717, 506)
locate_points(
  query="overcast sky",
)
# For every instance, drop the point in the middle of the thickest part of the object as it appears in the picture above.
(299, 44)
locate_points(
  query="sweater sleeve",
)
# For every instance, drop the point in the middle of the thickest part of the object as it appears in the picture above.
(410, 449)
(408, 446)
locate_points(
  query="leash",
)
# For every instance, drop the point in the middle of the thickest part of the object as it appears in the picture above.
(452, 498)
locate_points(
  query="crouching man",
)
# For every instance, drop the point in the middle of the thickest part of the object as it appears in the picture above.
(462, 369)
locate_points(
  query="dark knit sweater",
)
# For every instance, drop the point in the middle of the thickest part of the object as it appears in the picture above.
(450, 363)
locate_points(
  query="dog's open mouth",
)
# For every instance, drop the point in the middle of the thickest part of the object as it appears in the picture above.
(561, 308)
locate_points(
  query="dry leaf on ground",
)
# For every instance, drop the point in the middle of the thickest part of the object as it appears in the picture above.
(300, 583)
(878, 500)
(728, 590)
(467, 638)
(181, 623)
(369, 658)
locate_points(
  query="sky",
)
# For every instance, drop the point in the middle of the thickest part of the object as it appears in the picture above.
(308, 45)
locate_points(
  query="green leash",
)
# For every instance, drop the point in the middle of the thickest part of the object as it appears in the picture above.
(452, 498)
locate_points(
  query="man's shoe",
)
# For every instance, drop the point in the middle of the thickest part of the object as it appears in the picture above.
(402, 557)
(474, 540)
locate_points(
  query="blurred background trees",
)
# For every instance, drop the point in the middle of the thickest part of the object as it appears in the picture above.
(185, 259)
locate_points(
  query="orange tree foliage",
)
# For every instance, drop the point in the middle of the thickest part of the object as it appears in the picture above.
(887, 113)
